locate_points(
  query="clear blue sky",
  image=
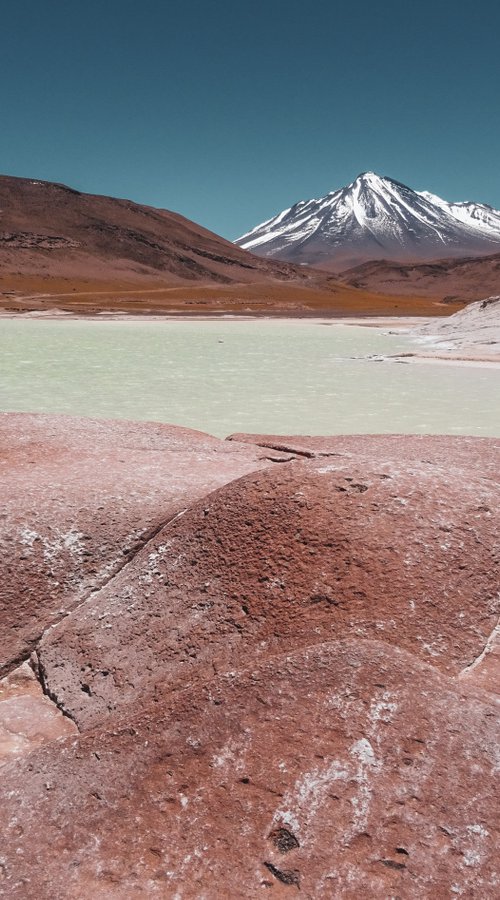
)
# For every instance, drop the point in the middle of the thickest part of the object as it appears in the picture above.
(229, 111)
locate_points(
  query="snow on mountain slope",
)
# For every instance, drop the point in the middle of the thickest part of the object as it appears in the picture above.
(375, 218)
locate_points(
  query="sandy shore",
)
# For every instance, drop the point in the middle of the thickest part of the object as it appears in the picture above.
(400, 324)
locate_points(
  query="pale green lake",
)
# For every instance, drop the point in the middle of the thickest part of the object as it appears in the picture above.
(225, 376)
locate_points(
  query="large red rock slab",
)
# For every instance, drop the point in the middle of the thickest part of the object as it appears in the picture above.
(403, 550)
(349, 769)
(79, 496)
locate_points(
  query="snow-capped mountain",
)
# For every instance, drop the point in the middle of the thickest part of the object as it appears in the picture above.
(375, 218)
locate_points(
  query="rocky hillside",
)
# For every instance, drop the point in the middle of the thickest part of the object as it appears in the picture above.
(259, 664)
(447, 279)
(52, 230)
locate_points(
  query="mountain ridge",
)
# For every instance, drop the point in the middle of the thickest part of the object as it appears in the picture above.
(375, 217)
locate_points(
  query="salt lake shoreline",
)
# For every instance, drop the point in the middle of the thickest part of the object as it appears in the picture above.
(391, 324)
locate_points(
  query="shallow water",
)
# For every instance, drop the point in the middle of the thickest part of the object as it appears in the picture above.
(225, 376)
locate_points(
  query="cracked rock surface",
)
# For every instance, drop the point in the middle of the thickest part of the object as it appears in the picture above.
(403, 551)
(79, 497)
(291, 688)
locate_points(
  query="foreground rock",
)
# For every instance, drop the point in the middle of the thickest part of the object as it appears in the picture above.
(290, 688)
(346, 769)
(403, 550)
(79, 497)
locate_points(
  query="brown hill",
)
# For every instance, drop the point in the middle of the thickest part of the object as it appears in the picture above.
(452, 280)
(87, 253)
(54, 230)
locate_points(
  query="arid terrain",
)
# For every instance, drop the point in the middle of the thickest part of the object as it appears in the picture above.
(64, 250)
(267, 664)
(54, 295)
(450, 280)
(53, 230)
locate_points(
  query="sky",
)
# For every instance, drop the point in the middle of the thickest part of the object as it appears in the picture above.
(230, 111)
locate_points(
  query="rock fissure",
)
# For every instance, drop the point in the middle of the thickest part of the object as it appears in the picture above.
(280, 459)
(32, 652)
(493, 637)
(392, 864)
(128, 558)
(23, 657)
(41, 675)
(285, 448)
(290, 878)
